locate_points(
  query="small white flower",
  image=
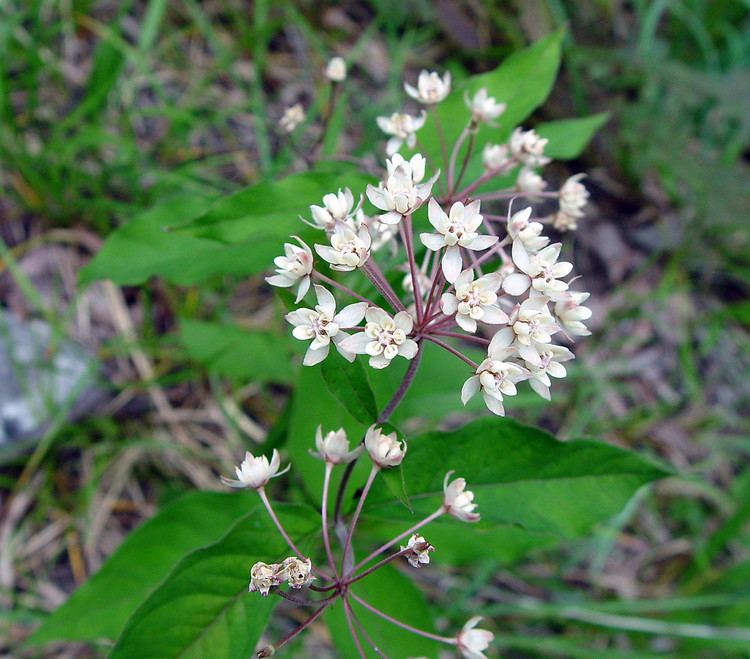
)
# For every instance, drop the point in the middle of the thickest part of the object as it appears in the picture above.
(532, 322)
(474, 300)
(573, 197)
(529, 181)
(543, 361)
(333, 447)
(297, 572)
(293, 116)
(294, 268)
(403, 128)
(384, 338)
(483, 107)
(495, 157)
(384, 450)
(348, 250)
(527, 147)
(431, 88)
(336, 208)
(336, 69)
(528, 234)
(420, 551)
(542, 270)
(263, 577)
(473, 642)
(324, 325)
(255, 472)
(571, 313)
(402, 193)
(456, 230)
(496, 379)
(458, 501)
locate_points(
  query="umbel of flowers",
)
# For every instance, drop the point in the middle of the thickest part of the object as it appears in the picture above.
(488, 279)
(336, 580)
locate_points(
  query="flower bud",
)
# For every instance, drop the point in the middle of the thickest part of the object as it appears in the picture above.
(473, 642)
(334, 447)
(336, 69)
(255, 472)
(384, 450)
(458, 501)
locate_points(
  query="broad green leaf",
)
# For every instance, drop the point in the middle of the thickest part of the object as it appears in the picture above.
(228, 350)
(569, 137)
(267, 213)
(395, 594)
(521, 477)
(140, 563)
(144, 248)
(348, 383)
(203, 608)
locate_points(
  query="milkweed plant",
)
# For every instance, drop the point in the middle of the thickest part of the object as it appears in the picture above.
(484, 273)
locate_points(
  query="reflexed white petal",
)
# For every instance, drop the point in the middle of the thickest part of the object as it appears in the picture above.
(392, 217)
(520, 256)
(465, 278)
(356, 343)
(494, 315)
(540, 388)
(556, 370)
(437, 216)
(376, 315)
(326, 301)
(282, 281)
(433, 241)
(466, 323)
(408, 349)
(501, 341)
(452, 263)
(493, 404)
(304, 286)
(481, 242)
(351, 315)
(449, 304)
(470, 388)
(376, 197)
(379, 361)
(313, 357)
(404, 321)
(299, 317)
(393, 145)
(302, 332)
(516, 283)
(529, 354)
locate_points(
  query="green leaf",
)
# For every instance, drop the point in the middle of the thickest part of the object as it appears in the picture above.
(347, 381)
(569, 137)
(139, 564)
(266, 213)
(522, 477)
(245, 355)
(393, 593)
(203, 608)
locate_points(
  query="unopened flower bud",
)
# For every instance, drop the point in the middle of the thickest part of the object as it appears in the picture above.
(334, 447)
(384, 450)
(336, 69)
(293, 117)
(458, 501)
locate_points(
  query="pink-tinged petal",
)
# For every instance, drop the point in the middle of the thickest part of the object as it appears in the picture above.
(494, 315)
(501, 341)
(493, 404)
(376, 197)
(352, 315)
(282, 281)
(313, 357)
(433, 241)
(376, 315)
(437, 216)
(304, 286)
(470, 388)
(356, 343)
(326, 301)
(449, 304)
(540, 388)
(408, 349)
(452, 263)
(391, 218)
(466, 323)
(520, 256)
(516, 283)
(379, 362)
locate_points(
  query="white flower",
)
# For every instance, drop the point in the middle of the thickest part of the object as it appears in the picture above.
(571, 313)
(324, 325)
(381, 234)
(293, 268)
(529, 181)
(496, 379)
(336, 208)
(348, 250)
(532, 322)
(474, 300)
(495, 157)
(456, 230)
(528, 234)
(403, 128)
(431, 88)
(542, 361)
(384, 338)
(473, 642)
(384, 450)
(527, 147)
(420, 551)
(334, 447)
(573, 196)
(256, 472)
(297, 572)
(293, 116)
(458, 501)
(402, 193)
(483, 107)
(263, 577)
(542, 270)
(336, 69)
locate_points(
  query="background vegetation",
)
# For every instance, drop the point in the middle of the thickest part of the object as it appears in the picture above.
(146, 111)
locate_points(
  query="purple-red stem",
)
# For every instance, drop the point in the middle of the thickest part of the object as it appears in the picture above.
(407, 236)
(453, 351)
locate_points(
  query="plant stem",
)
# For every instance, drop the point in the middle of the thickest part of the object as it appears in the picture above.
(378, 565)
(285, 639)
(441, 137)
(372, 271)
(452, 350)
(465, 164)
(409, 531)
(352, 631)
(407, 236)
(454, 156)
(403, 625)
(262, 494)
(364, 633)
(496, 196)
(465, 337)
(348, 544)
(324, 518)
(332, 282)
